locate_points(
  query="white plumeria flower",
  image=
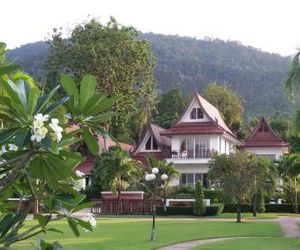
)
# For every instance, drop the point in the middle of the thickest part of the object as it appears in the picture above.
(57, 129)
(41, 117)
(155, 170)
(38, 124)
(12, 147)
(3, 150)
(39, 134)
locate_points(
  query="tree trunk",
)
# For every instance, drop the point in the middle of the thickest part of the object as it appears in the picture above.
(254, 204)
(238, 213)
(296, 197)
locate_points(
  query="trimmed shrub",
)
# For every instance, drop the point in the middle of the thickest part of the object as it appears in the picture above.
(214, 209)
(175, 211)
(279, 208)
(231, 208)
(199, 207)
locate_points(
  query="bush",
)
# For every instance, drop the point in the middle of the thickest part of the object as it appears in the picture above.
(231, 208)
(214, 209)
(175, 211)
(270, 208)
(199, 207)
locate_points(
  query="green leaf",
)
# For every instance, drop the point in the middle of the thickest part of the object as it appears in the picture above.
(6, 134)
(106, 104)
(103, 117)
(46, 142)
(32, 99)
(22, 92)
(70, 87)
(93, 101)
(15, 102)
(44, 100)
(8, 69)
(73, 225)
(90, 141)
(55, 230)
(22, 136)
(87, 89)
(55, 106)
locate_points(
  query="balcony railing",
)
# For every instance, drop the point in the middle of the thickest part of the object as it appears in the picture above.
(189, 154)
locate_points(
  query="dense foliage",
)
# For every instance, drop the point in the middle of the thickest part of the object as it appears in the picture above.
(189, 63)
(36, 161)
(199, 206)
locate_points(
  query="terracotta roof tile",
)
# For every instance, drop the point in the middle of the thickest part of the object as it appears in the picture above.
(264, 136)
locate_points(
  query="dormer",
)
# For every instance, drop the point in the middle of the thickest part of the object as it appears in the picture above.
(194, 113)
(150, 145)
(152, 141)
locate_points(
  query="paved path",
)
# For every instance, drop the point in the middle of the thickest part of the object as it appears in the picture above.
(289, 226)
(195, 243)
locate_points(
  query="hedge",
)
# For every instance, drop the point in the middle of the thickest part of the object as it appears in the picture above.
(270, 208)
(212, 210)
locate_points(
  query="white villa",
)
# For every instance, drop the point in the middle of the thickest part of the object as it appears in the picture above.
(200, 131)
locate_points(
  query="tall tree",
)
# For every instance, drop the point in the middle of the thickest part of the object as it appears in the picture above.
(235, 174)
(122, 64)
(228, 102)
(292, 80)
(169, 107)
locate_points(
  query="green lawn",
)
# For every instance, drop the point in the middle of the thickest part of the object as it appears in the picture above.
(254, 244)
(134, 234)
(246, 216)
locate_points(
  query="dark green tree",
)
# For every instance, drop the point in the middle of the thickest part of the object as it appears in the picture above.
(199, 206)
(260, 202)
(235, 174)
(122, 64)
(169, 107)
(228, 102)
(114, 171)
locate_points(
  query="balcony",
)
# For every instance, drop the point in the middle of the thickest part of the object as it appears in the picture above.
(189, 154)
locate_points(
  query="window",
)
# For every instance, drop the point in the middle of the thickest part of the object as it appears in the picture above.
(191, 178)
(148, 144)
(151, 144)
(196, 113)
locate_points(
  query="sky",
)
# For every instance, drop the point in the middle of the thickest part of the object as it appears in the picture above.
(270, 25)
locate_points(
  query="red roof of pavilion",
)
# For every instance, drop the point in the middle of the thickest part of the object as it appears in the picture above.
(264, 136)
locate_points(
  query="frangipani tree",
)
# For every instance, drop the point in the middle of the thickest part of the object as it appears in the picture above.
(35, 151)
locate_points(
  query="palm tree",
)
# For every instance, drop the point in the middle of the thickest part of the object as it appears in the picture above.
(292, 81)
(289, 168)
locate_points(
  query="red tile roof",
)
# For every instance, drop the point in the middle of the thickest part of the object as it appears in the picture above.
(264, 136)
(111, 143)
(157, 133)
(193, 128)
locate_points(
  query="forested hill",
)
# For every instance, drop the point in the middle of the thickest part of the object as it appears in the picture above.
(190, 63)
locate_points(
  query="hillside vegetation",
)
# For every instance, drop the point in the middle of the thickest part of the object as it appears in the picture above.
(190, 63)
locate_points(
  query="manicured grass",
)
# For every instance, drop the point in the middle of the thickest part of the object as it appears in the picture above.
(133, 234)
(254, 244)
(246, 216)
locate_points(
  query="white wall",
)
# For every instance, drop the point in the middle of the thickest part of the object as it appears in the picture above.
(278, 151)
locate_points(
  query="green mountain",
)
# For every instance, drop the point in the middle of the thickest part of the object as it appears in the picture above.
(190, 63)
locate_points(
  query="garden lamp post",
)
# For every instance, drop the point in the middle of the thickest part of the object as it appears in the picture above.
(154, 182)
